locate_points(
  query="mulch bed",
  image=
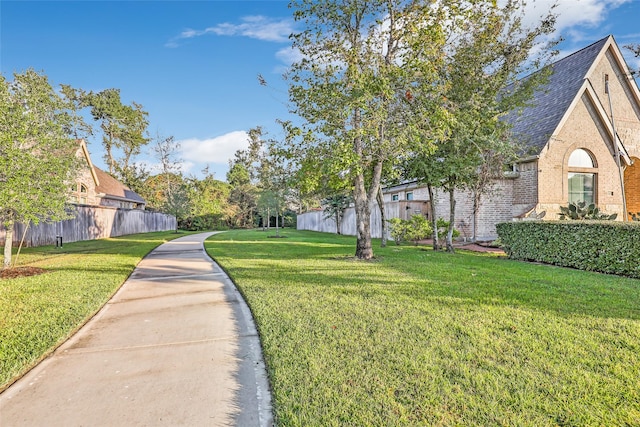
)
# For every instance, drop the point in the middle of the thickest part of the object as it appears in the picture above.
(12, 273)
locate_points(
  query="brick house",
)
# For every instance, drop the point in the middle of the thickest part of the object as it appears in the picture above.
(94, 187)
(573, 140)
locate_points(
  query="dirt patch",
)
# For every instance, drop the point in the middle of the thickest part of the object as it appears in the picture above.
(14, 272)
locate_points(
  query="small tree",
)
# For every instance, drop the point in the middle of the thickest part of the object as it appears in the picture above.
(174, 188)
(37, 154)
(334, 207)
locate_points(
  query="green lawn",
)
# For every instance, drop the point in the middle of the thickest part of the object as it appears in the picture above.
(422, 338)
(38, 313)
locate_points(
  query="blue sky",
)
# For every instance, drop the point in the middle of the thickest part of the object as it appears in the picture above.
(193, 65)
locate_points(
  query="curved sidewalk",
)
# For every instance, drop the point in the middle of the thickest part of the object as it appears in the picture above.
(176, 345)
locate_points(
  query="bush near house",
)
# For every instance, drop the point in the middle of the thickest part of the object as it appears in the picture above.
(415, 229)
(604, 246)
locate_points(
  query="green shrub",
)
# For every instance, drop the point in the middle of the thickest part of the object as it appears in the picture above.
(414, 229)
(203, 222)
(397, 229)
(604, 246)
(443, 226)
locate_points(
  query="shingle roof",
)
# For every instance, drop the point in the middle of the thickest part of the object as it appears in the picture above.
(534, 125)
(110, 186)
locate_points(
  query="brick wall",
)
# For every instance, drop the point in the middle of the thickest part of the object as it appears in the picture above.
(525, 188)
(632, 186)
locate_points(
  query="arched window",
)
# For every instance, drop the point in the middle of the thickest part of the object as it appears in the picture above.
(79, 193)
(582, 177)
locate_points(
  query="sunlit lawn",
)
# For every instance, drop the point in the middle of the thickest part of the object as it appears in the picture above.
(38, 313)
(423, 338)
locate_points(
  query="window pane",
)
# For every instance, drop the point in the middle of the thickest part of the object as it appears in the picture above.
(582, 187)
(581, 159)
(409, 196)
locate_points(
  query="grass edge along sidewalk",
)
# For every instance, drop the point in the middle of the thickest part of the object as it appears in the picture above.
(416, 337)
(38, 313)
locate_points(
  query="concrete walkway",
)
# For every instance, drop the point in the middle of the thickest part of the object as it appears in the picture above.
(176, 345)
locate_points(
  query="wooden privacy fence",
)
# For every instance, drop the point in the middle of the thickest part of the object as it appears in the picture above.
(316, 221)
(92, 222)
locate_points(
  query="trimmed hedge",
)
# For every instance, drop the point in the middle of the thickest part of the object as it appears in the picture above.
(605, 246)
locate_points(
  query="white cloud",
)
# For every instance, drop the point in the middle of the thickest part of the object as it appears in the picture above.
(572, 13)
(289, 55)
(216, 150)
(255, 27)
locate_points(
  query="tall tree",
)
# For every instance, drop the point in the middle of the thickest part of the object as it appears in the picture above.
(37, 153)
(348, 85)
(174, 189)
(275, 174)
(242, 176)
(488, 50)
(243, 194)
(124, 128)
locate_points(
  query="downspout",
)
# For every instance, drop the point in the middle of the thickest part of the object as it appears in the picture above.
(617, 151)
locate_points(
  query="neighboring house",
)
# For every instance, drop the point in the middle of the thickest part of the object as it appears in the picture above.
(95, 187)
(573, 141)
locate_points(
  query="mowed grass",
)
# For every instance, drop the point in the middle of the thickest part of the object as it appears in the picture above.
(422, 338)
(38, 313)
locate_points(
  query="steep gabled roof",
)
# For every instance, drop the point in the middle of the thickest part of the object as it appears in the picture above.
(114, 189)
(87, 157)
(535, 124)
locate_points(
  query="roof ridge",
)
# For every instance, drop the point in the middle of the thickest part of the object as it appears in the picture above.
(583, 49)
(535, 124)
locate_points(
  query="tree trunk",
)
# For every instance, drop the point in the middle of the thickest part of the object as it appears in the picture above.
(434, 219)
(476, 207)
(338, 220)
(8, 242)
(452, 216)
(383, 220)
(363, 219)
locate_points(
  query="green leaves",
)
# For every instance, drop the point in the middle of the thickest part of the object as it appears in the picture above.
(37, 154)
(124, 126)
(605, 246)
(582, 211)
